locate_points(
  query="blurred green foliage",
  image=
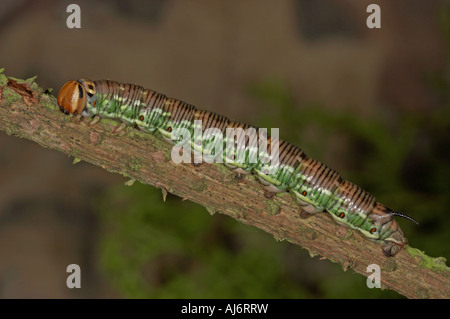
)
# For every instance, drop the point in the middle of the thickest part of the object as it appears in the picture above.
(175, 249)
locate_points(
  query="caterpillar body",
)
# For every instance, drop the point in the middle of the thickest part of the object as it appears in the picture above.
(316, 187)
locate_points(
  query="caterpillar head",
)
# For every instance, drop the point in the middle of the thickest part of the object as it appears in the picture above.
(72, 96)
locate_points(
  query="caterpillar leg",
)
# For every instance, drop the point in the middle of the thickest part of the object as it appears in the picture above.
(303, 214)
(94, 120)
(238, 171)
(271, 190)
(391, 249)
(269, 194)
(305, 206)
(119, 128)
(77, 118)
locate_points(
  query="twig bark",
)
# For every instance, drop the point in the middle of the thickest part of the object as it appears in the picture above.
(26, 111)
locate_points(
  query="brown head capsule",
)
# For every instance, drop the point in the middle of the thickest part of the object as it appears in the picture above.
(72, 97)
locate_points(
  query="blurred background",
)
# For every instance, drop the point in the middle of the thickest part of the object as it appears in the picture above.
(371, 103)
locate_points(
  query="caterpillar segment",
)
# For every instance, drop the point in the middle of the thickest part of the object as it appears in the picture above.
(207, 135)
(175, 116)
(279, 165)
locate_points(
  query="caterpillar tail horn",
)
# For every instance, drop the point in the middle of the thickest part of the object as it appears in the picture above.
(404, 216)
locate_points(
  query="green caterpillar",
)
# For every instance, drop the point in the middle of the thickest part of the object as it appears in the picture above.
(283, 167)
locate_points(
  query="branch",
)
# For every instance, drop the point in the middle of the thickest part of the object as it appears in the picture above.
(26, 111)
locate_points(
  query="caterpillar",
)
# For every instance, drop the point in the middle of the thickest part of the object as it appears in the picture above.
(316, 187)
